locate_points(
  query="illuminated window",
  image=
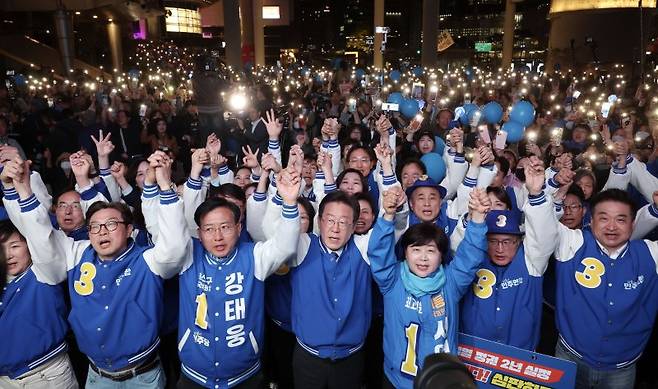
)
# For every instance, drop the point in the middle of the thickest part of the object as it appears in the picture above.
(183, 20)
(271, 12)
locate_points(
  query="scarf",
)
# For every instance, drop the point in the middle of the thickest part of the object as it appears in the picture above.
(418, 286)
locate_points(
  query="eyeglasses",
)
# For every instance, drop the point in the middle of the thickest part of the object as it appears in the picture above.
(506, 243)
(73, 205)
(572, 207)
(342, 223)
(95, 228)
(225, 229)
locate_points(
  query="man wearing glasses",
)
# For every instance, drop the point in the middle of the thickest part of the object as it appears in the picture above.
(116, 286)
(505, 302)
(69, 215)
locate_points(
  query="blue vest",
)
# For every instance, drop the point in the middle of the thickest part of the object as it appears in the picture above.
(116, 308)
(445, 223)
(221, 320)
(506, 308)
(373, 188)
(278, 298)
(606, 307)
(512, 198)
(331, 301)
(33, 324)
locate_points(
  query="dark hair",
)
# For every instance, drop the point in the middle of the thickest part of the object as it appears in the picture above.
(368, 198)
(342, 198)
(61, 193)
(131, 171)
(341, 176)
(422, 234)
(580, 173)
(504, 164)
(501, 194)
(411, 161)
(308, 207)
(616, 195)
(576, 191)
(422, 133)
(213, 203)
(228, 190)
(7, 228)
(126, 215)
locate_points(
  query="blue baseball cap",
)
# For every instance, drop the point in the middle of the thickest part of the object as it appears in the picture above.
(425, 182)
(504, 222)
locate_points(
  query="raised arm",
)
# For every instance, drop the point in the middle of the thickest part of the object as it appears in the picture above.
(646, 219)
(641, 179)
(172, 245)
(104, 148)
(194, 192)
(271, 254)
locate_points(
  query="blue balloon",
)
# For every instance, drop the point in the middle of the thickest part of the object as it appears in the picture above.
(409, 108)
(514, 131)
(395, 75)
(395, 98)
(523, 113)
(439, 145)
(468, 108)
(492, 112)
(360, 73)
(417, 71)
(435, 166)
(474, 117)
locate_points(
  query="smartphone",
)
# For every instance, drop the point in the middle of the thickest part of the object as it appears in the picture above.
(51, 102)
(352, 105)
(418, 91)
(605, 109)
(483, 131)
(105, 100)
(142, 110)
(434, 91)
(576, 94)
(532, 137)
(556, 136)
(501, 139)
(390, 107)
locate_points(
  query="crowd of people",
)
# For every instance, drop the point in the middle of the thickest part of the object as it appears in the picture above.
(307, 241)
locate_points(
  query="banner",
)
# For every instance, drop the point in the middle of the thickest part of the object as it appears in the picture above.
(496, 365)
(444, 40)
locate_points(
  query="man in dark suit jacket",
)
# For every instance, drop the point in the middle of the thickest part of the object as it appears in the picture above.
(125, 137)
(255, 131)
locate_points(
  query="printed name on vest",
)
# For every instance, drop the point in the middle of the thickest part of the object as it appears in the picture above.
(414, 304)
(507, 283)
(126, 273)
(204, 283)
(633, 284)
(200, 339)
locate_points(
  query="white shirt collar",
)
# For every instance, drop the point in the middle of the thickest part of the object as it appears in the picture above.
(613, 254)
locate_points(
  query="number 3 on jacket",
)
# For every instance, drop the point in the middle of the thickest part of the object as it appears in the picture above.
(483, 288)
(590, 277)
(409, 364)
(85, 285)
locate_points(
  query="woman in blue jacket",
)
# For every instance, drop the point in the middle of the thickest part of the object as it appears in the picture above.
(421, 295)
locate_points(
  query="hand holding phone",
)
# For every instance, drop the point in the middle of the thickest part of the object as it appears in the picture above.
(556, 136)
(483, 132)
(501, 140)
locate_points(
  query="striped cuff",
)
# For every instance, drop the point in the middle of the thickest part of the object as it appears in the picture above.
(273, 145)
(88, 194)
(194, 183)
(538, 199)
(465, 220)
(452, 152)
(653, 210)
(553, 170)
(205, 172)
(150, 191)
(290, 211)
(10, 193)
(391, 131)
(223, 170)
(278, 200)
(470, 182)
(319, 175)
(619, 170)
(552, 183)
(558, 206)
(460, 158)
(330, 144)
(389, 180)
(29, 203)
(105, 172)
(629, 159)
(168, 197)
(257, 196)
(328, 188)
(254, 178)
(273, 180)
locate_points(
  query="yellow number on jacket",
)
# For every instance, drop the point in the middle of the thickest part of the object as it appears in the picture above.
(483, 288)
(590, 277)
(201, 311)
(85, 285)
(409, 364)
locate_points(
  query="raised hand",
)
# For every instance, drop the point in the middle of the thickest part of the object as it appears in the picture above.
(564, 176)
(287, 184)
(487, 156)
(12, 171)
(534, 175)
(213, 144)
(383, 124)
(104, 145)
(325, 164)
(392, 199)
(296, 157)
(7, 153)
(118, 170)
(479, 205)
(161, 163)
(272, 125)
(200, 157)
(80, 167)
(384, 156)
(269, 163)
